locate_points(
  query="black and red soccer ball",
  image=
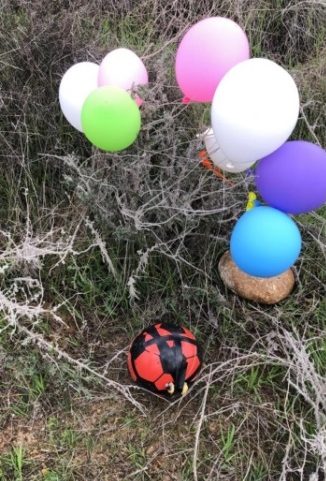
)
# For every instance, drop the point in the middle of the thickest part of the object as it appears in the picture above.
(164, 358)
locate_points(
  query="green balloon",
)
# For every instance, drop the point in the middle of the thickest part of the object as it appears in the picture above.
(110, 118)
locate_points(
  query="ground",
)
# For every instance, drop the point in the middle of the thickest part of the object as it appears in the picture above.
(96, 246)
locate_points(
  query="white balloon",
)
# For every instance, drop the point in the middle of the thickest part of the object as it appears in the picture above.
(76, 85)
(254, 110)
(219, 158)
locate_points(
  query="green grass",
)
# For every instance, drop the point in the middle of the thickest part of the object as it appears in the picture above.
(227, 444)
(14, 463)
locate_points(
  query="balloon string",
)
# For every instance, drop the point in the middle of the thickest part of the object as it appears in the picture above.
(206, 162)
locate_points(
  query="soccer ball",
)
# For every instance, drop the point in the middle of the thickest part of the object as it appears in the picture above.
(164, 358)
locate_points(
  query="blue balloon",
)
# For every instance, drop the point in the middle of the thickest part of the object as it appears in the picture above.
(265, 242)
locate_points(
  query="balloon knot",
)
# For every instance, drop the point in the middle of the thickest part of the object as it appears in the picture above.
(186, 100)
(206, 162)
(251, 203)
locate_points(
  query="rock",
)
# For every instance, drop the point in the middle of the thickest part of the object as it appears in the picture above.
(263, 290)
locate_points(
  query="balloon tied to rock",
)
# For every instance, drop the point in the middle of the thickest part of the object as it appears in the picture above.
(255, 106)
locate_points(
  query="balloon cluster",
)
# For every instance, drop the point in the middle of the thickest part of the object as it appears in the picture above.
(97, 99)
(255, 107)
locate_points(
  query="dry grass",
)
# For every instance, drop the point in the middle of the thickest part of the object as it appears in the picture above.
(95, 246)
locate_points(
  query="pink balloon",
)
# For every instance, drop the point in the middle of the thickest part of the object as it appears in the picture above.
(139, 101)
(123, 68)
(207, 51)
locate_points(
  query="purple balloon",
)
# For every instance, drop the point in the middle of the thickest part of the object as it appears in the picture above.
(293, 178)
